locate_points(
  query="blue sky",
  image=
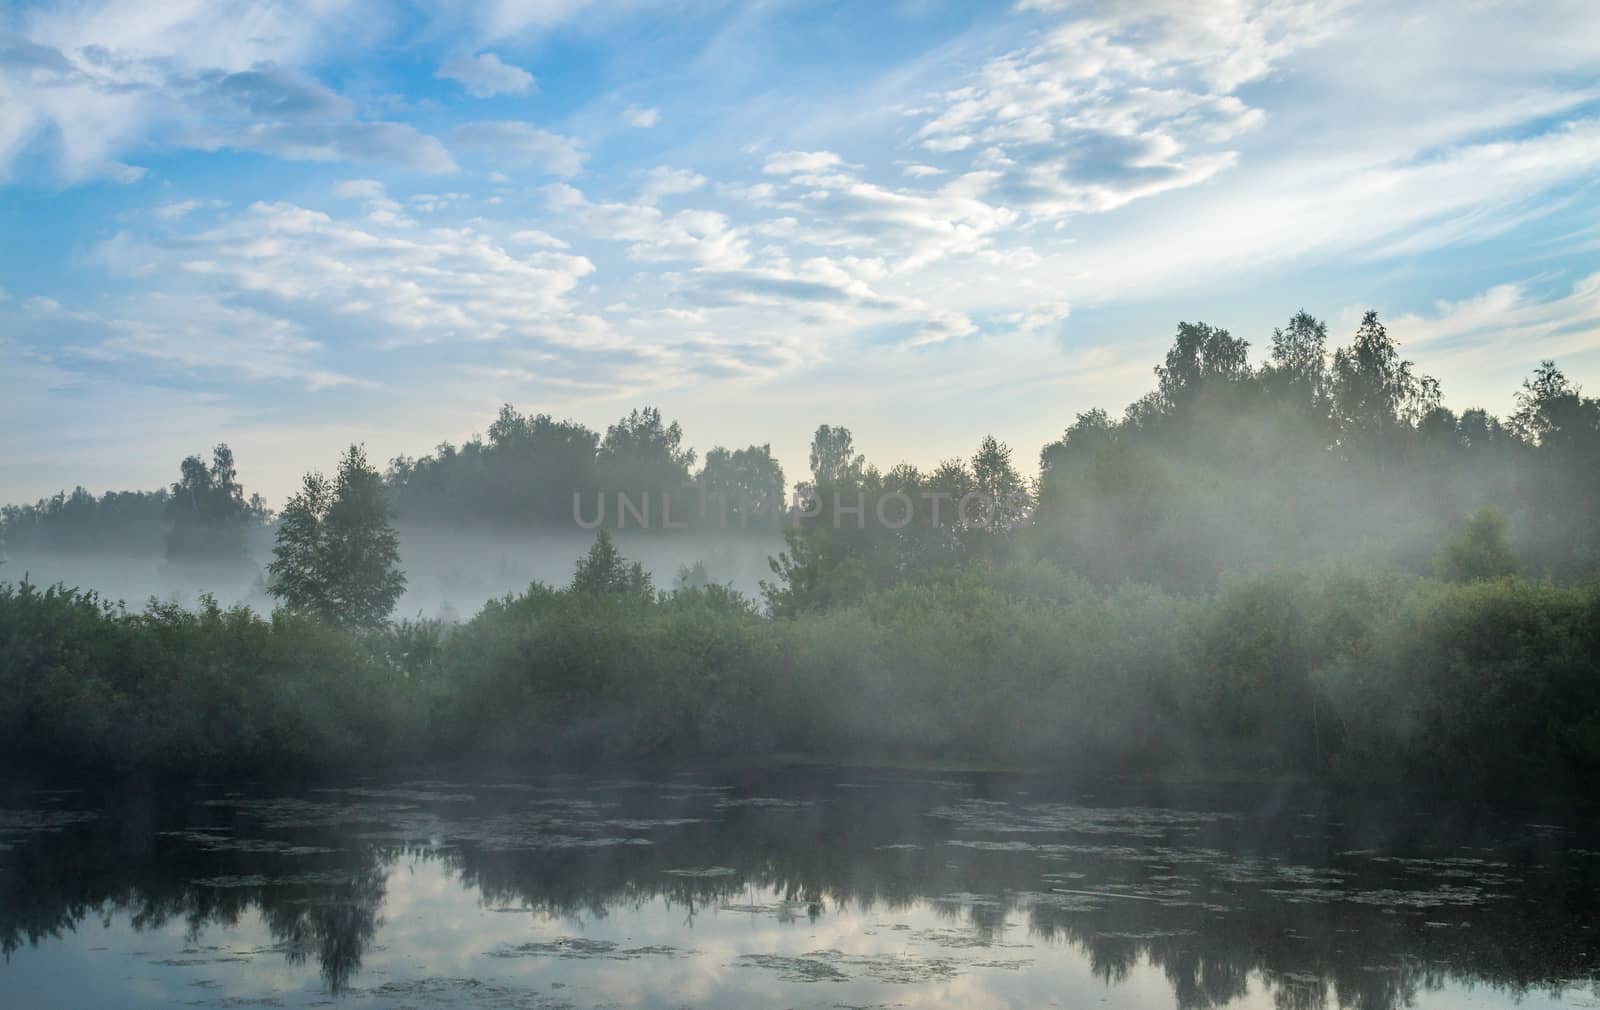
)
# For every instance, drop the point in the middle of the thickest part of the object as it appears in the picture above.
(294, 225)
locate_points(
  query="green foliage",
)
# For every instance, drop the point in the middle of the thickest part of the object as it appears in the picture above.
(1478, 550)
(1201, 354)
(603, 571)
(92, 687)
(117, 522)
(336, 554)
(207, 513)
(744, 488)
(811, 575)
(1356, 674)
(1161, 599)
(203, 517)
(834, 459)
(1307, 459)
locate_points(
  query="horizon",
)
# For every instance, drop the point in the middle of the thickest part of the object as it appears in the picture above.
(296, 229)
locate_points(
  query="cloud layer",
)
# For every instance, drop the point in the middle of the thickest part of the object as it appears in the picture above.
(325, 204)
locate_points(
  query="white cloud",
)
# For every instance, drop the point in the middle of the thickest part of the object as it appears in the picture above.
(700, 237)
(359, 189)
(1100, 151)
(912, 227)
(641, 116)
(1339, 206)
(391, 143)
(516, 141)
(197, 334)
(401, 285)
(1047, 316)
(1481, 346)
(85, 84)
(1121, 101)
(1505, 325)
(541, 239)
(506, 18)
(666, 181)
(183, 208)
(794, 162)
(485, 75)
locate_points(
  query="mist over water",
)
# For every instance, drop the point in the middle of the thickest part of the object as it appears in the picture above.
(712, 506)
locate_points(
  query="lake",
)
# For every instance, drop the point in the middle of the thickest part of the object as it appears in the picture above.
(814, 887)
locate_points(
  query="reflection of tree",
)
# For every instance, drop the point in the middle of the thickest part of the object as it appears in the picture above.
(335, 925)
(1197, 905)
(323, 906)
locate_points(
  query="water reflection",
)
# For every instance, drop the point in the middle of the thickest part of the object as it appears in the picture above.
(795, 888)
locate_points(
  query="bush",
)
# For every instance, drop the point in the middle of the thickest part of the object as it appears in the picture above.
(1488, 685)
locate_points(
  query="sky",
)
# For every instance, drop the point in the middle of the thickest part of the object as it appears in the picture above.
(295, 225)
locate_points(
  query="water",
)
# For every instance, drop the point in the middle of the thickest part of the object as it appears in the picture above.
(813, 888)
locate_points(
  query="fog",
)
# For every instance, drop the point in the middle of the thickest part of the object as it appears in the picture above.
(451, 570)
(1297, 563)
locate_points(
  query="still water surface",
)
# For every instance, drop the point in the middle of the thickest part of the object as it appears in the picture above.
(813, 888)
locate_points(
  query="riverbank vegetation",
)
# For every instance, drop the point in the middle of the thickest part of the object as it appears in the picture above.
(1309, 567)
(1336, 673)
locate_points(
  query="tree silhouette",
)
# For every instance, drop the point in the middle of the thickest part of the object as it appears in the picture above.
(336, 554)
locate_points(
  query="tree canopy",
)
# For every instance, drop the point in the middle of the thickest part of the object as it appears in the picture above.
(336, 554)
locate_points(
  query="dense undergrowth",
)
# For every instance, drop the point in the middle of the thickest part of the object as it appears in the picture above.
(1488, 685)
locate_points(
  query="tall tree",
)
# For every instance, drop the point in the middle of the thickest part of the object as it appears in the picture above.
(1201, 353)
(1298, 367)
(738, 483)
(996, 478)
(299, 571)
(337, 554)
(603, 571)
(834, 459)
(207, 511)
(1374, 389)
(1553, 412)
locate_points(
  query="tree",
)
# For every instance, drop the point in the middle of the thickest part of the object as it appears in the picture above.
(1374, 389)
(533, 465)
(812, 574)
(739, 483)
(833, 456)
(1478, 550)
(1552, 412)
(207, 510)
(641, 451)
(1089, 432)
(603, 571)
(992, 470)
(994, 476)
(1201, 353)
(298, 572)
(1298, 369)
(336, 554)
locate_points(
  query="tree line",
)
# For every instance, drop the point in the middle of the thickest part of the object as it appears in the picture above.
(1317, 453)
(1310, 567)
